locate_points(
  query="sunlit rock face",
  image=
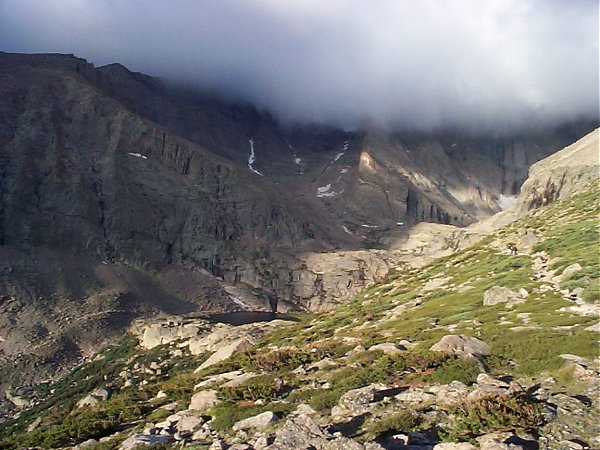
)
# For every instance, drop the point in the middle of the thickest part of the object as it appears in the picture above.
(123, 197)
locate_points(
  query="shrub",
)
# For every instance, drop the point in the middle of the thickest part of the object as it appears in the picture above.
(282, 359)
(326, 399)
(399, 422)
(264, 387)
(493, 414)
(456, 369)
(86, 423)
(228, 413)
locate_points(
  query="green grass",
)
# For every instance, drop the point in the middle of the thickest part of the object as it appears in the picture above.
(568, 232)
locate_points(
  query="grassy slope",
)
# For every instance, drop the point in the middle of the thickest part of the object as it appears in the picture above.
(398, 308)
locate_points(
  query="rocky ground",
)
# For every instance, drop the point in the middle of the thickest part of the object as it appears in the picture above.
(494, 346)
(124, 197)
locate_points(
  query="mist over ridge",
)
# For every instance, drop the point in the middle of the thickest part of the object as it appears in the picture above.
(482, 66)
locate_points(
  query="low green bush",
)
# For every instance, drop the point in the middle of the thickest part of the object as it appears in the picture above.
(228, 413)
(456, 369)
(403, 421)
(264, 387)
(493, 414)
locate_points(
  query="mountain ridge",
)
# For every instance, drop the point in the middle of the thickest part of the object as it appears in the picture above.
(130, 179)
(485, 347)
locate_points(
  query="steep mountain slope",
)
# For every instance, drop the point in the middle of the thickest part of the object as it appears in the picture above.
(483, 346)
(122, 196)
(553, 178)
(103, 207)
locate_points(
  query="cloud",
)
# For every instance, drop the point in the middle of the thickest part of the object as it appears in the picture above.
(495, 64)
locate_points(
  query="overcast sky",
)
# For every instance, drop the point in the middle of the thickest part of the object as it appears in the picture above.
(406, 63)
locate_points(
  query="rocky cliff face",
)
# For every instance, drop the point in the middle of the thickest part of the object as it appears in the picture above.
(562, 174)
(122, 196)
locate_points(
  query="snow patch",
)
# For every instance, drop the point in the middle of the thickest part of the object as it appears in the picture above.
(369, 226)
(138, 155)
(240, 303)
(399, 223)
(347, 230)
(506, 202)
(325, 191)
(344, 170)
(297, 160)
(252, 158)
(340, 154)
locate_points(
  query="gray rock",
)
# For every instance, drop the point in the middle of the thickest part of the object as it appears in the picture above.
(373, 446)
(567, 272)
(323, 364)
(388, 348)
(33, 425)
(454, 446)
(93, 398)
(258, 422)
(341, 443)
(204, 400)
(143, 439)
(242, 378)
(500, 294)
(217, 445)
(461, 344)
(497, 441)
(415, 396)
(447, 394)
(485, 379)
(188, 422)
(356, 401)
(17, 400)
(225, 352)
(261, 443)
(86, 444)
(299, 432)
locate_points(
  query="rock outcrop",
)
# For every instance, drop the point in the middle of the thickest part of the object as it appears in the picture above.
(462, 345)
(562, 173)
(124, 197)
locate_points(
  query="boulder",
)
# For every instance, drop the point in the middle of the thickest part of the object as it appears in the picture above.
(138, 440)
(258, 422)
(356, 401)
(500, 294)
(204, 400)
(455, 446)
(462, 345)
(18, 401)
(261, 443)
(85, 444)
(299, 431)
(485, 379)
(323, 364)
(225, 352)
(226, 376)
(388, 348)
(217, 445)
(415, 396)
(239, 379)
(93, 398)
(188, 422)
(447, 394)
(498, 441)
(567, 272)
